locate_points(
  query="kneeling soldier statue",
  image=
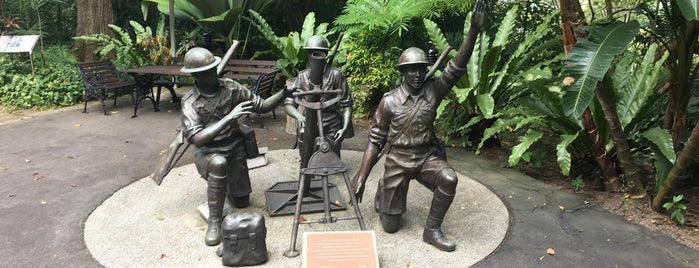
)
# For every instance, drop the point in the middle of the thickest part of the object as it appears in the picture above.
(403, 125)
(209, 118)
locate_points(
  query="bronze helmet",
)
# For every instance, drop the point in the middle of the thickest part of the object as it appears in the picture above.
(199, 59)
(316, 42)
(412, 55)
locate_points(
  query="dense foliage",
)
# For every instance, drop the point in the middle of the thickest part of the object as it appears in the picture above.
(622, 93)
(54, 84)
(148, 48)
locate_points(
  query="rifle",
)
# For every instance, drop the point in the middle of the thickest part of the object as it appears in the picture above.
(437, 63)
(335, 47)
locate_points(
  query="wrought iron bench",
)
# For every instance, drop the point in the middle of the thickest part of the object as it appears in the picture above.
(258, 75)
(102, 77)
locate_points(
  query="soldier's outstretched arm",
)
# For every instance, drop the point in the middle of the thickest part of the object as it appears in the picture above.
(273, 101)
(466, 48)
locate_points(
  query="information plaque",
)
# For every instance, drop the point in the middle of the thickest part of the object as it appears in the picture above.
(19, 44)
(355, 249)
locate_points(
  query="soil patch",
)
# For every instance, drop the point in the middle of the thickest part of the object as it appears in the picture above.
(633, 210)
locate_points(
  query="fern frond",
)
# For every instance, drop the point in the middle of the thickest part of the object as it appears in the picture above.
(263, 27)
(123, 35)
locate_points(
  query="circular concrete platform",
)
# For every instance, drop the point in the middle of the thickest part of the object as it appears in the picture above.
(145, 225)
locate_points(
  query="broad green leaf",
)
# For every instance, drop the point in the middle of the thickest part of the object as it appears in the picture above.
(562, 154)
(505, 30)
(662, 167)
(487, 104)
(677, 198)
(497, 126)
(526, 141)
(662, 139)
(307, 29)
(690, 9)
(589, 61)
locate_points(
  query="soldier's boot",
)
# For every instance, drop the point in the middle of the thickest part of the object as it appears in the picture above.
(216, 194)
(432, 233)
(238, 201)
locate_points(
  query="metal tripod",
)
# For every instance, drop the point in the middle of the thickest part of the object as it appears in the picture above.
(323, 163)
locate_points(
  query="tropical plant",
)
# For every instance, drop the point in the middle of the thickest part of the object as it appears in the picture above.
(490, 98)
(375, 32)
(577, 183)
(389, 18)
(683, 17)
(149, 48)
(222, 17)
(56, 84)
(677, 209)
(587, 64)
(288, 49)
(370, 73)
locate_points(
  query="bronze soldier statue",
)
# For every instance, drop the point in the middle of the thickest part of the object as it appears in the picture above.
(403, 125)
(209, 120)
(336, 119)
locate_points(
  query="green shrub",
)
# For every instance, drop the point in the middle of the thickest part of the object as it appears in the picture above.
(369, 74)
(54, 84)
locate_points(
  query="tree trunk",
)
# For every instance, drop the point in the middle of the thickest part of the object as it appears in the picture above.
(93, 17)
(572, 22)
(685, 159)
(623, 153)
(612, 181)
(681, 85)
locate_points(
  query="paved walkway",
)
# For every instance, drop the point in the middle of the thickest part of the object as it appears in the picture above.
(57, 168)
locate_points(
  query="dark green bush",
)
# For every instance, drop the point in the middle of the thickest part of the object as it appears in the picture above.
(56, 83)
(370, 74)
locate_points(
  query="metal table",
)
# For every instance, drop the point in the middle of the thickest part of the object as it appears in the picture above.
(145, 76)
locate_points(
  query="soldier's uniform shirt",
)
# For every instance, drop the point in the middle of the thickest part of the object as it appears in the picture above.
(413, 155)
(198, 110)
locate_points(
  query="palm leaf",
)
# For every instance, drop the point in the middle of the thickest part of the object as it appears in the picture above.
(690, 9)
(590, 59)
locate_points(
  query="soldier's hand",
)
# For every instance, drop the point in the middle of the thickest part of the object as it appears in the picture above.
(478, 15)
(239, 110)
(301, 121)
(358, 187)
(338, 135)
(289, 89)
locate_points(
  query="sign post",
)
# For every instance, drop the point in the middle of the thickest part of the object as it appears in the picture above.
(19, 44)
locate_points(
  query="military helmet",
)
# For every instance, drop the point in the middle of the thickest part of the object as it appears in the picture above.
(316, 42)
(199, 59)
(412, 55)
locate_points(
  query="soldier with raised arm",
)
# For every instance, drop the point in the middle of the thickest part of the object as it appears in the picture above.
(403, 126)
(209, 118)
